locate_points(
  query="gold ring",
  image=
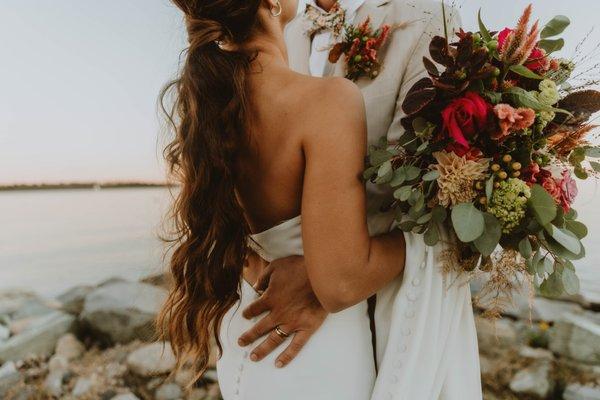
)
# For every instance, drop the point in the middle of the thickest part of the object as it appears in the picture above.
(281, 333)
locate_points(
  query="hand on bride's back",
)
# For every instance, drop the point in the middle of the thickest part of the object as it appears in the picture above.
(290, 303)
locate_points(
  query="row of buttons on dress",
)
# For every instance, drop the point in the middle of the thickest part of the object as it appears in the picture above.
(412, 296)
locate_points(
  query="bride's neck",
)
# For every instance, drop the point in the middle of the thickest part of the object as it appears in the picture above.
(268, 41)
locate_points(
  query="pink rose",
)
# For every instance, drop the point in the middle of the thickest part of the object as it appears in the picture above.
(568, 189)
(464, 117)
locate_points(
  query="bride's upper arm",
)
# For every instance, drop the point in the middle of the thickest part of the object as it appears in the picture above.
(334, 225)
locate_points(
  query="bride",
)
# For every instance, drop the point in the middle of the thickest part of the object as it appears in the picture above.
(252, 155)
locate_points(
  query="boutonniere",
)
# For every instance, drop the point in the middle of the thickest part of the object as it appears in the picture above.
(360, 47)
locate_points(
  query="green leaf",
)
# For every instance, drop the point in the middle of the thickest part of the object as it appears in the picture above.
(378, 157)
(432, 236)
(403, 193)
(577, 156)
(551, 45)
(483, 30)
(580, 172)
(556, 26)
(524, 71)
(542, 205)
(487, 243)
(577, 228)
(566, 239)
(407, 226)
(431, 176)
(570, 281)
(563, 253)
(369, 172)
(438, 214)
(571, 215)
(595, 165)
(399, 177)
(385, 173)
(422, 147)
(525, 248)
(412, 173)
(593, 152)
(552, 286)
(468, 222)
(424, 219)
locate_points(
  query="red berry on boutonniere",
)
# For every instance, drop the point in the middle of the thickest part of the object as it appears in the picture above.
(360, 47)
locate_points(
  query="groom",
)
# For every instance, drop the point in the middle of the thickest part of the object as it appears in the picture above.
(288, 298)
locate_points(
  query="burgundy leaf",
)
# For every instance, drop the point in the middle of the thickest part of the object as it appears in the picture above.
(430, 67)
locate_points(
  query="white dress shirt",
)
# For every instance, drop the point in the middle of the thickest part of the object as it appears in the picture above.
(318, 63)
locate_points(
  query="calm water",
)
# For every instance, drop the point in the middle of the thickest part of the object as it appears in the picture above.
(53, 240)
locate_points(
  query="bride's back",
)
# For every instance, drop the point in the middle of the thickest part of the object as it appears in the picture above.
(282, 107)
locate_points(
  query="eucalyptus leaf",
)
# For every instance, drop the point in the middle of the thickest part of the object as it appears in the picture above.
(570, 282)
(432, 235)
(468, 222)
(593, 152)
(424, 219)
(403, 193)
(487, 243)
(542, 205)
(412, 173)
(525, 72)
(525, 248)
(399, 177)
(561, 252)
(438, 214)
(379, 156)
(422, 147)
(595, 165)
(555, 26)
(385, 173)
(369, 173)
(431, 175)
(580, 172)
(552, 286)
(566, 239)
(407, 226)
(577, 228)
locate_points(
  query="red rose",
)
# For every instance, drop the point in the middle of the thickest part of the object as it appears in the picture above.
(471, 154)
(465, 116)
(537, 61)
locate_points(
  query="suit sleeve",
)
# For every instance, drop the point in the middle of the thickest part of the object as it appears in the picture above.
(415, 70)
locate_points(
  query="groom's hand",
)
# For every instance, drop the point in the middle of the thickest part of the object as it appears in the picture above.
(290, 303)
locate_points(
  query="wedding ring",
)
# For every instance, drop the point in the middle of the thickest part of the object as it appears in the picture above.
(281, 333)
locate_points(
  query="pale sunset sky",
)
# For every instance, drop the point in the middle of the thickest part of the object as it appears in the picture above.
(79, 81)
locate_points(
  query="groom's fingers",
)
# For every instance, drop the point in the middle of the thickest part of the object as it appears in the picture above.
(262, 283)
(295, 346)
(256, 308)
(272, 341)
(260, 329)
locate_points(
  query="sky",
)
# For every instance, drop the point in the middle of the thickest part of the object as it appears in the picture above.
(79, 81)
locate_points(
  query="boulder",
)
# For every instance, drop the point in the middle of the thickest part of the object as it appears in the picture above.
(534, 380)
(83, 386)
(122, 311)
(4, 333)
(152, 360)
(492, 333)
(39, 338)
(577, 336)
(9, 375)
(536, 354)
(69, 347)
(168, 391)
(579, 392)
(73, 299)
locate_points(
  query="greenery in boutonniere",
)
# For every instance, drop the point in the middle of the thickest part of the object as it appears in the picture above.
(360, 47)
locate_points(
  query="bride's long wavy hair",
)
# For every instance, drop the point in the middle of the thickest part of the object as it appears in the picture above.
(208, 118)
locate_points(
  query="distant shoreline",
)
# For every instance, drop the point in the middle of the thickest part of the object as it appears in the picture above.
(82, 185)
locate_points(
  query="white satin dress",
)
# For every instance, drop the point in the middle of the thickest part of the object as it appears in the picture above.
(336, 363)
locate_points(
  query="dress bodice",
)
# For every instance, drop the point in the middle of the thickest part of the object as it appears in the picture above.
(282, 240)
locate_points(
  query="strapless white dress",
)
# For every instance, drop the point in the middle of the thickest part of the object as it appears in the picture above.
(336, 363)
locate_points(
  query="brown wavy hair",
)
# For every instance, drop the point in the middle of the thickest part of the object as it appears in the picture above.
(208, 117)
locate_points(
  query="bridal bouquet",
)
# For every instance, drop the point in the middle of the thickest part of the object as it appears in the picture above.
(493, 138)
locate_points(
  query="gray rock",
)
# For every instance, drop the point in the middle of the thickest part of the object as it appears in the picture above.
(4, 333)
(53, 384)
(58, 363)
(579, 392)
(152, 360)
(536, 354)
(82, 386)
(9, 375)
(69, 347)
(577, 337)
(38, 339)
(169, 391)
(534, 380)
(73, 299)
(125, 396)
(123, 311)
(494, 333)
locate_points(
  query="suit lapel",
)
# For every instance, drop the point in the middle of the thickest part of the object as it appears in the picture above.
(373, 9)
(298, 46)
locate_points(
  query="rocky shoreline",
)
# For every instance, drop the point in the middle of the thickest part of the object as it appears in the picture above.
(99, 343)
